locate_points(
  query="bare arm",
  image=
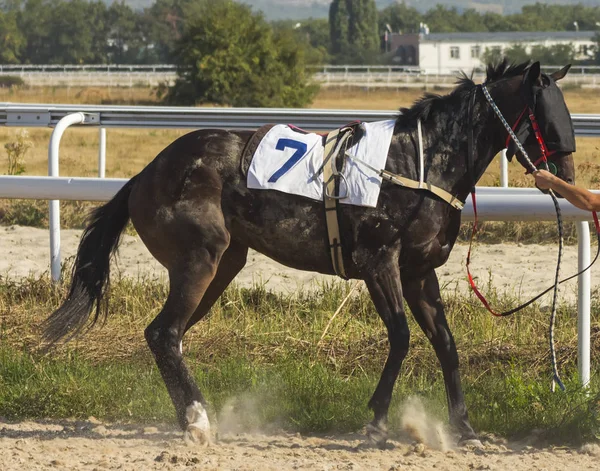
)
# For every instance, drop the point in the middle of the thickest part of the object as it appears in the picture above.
(578, 197)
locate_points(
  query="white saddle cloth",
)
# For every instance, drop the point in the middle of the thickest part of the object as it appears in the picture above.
(287, 160)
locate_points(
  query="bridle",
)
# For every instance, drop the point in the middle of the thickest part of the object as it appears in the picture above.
(529, 167)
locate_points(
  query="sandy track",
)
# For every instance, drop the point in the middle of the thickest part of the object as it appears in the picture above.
(91, 445)
(521, 270)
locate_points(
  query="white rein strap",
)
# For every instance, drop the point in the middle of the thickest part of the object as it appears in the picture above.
(421, 159)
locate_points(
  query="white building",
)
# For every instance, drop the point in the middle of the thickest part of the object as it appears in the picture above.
(447, 53)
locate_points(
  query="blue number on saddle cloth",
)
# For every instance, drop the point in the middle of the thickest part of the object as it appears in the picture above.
(286, 160)
(300, 151)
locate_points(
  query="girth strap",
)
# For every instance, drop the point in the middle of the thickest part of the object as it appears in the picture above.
(333, 144)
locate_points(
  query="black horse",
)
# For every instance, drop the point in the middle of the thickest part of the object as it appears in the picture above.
(193, 210)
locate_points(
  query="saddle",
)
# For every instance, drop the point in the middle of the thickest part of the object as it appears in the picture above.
(334, 159)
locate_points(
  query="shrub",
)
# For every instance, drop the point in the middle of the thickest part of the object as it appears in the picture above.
(10, 81)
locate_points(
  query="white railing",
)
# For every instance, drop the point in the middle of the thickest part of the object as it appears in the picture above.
(325, 68)
(153, 117)
(495, 204)
(327, 75)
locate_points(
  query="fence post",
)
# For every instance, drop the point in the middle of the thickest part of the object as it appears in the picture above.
(503, 169)
(54, 216)
(102, 153)
(583, 303)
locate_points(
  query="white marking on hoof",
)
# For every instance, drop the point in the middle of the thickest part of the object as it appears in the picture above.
(376, 435)
(198, 429)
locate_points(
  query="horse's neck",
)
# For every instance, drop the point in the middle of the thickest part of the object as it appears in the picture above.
(450, 170)
(489, 137)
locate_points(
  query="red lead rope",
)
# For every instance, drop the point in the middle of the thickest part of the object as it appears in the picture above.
(471, 281)
(543, 158)
(482, 298)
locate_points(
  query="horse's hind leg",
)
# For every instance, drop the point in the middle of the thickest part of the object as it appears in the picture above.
(190, 242)
(386, 292)
(423, 298)
(232, 261)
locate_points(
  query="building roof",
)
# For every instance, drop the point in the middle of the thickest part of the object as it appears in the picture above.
(510, 36)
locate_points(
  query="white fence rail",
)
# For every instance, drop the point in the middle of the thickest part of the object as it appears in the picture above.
(327, 75)
(44, 115)
(325, 68)
(495, 204)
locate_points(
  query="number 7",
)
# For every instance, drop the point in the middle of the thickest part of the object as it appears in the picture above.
(282, 144)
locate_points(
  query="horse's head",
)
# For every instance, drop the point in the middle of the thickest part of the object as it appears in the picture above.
(545, 101)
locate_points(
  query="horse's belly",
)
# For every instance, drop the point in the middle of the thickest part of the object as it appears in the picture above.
(287, 247)
(290, 230)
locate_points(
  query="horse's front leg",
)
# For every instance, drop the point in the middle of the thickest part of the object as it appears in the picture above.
(385, 288)
(423, 298)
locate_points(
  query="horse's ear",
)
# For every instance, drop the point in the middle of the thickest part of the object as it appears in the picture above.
(560, 73)
(533, 75)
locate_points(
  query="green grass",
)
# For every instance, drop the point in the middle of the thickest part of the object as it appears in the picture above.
(294, 394)
(261, 354)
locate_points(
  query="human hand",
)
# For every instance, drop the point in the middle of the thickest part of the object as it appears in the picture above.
(543, 179)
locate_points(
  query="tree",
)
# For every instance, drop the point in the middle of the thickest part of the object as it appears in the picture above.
(127, 38)
(492, 55)
(559, 54)
(353, 31)
(314, 33)
(63, 32)
(517, 54)
(34, 21)
(494, 22)
(400, 18)
(442, 19)
(12, 41)
(164, 22)
(229, 55)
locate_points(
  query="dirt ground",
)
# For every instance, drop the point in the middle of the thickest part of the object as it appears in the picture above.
(91, 445)
(520, 270)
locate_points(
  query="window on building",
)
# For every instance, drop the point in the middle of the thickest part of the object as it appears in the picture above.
(454, 52)
(583, 49)
(475, 52)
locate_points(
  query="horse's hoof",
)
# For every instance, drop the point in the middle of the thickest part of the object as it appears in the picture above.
(198, 430)
(473, 443)
(194, 435)
(376, 435)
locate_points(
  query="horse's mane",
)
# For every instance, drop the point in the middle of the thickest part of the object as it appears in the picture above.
(424, 105)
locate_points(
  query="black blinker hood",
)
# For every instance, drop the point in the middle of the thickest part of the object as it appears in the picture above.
(552, 115)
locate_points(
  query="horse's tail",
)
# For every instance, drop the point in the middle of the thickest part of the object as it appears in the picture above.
(91, 272)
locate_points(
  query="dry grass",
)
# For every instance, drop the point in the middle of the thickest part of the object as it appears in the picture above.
(80, 95)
